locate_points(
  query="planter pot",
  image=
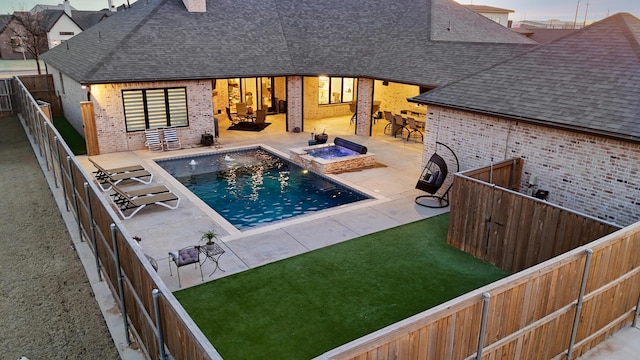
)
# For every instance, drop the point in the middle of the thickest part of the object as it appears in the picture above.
(321, 138)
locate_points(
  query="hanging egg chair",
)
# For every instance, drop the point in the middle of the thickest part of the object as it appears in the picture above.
(432, 178)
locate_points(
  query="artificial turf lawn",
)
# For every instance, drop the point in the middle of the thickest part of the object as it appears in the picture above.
(74, 140)
(301, 307)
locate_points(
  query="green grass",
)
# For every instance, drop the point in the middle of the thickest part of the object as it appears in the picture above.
(73, 139)
(303, 306)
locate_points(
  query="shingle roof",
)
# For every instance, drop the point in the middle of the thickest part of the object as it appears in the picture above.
(403, 40)
(588, 81)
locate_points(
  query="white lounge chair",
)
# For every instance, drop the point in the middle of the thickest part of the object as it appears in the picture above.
(125, 202)
(107, 178)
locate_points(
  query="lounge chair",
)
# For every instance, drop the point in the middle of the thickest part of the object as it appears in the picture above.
(171, 140)
(106, 178)
(137, 203)
(147, 190)
(102, 173)
(153, 142)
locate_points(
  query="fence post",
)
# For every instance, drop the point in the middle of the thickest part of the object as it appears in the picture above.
(636, 313)
(93, 230)
(123, 307)
(576, 320)
(156, 309)
(55, 175)
(75, 195)
(483, 324)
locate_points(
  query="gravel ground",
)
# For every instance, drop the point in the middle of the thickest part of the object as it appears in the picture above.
(47, 307)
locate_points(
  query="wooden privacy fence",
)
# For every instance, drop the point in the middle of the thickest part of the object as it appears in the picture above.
(557, 309)
(41, 87)
(152, 314)
(514, 231)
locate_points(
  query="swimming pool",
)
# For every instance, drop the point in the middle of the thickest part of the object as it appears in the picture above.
(254, 187)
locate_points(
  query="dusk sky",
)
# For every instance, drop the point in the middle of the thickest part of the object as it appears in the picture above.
(524, 9)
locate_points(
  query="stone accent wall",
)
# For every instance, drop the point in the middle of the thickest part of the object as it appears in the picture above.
(109, 114)
(294, 102)
(331, 166)
(591, 174)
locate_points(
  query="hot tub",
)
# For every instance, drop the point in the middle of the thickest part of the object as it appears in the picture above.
(334, 158)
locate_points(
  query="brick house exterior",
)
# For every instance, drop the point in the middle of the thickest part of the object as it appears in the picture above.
(592, 174)
(571, 112)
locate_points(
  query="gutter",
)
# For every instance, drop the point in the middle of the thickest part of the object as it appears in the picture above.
(546, 123)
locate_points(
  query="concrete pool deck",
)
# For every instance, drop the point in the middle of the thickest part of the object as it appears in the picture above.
(163, 230)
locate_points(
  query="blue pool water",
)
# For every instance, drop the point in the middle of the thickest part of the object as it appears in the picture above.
(331, 152)
(254, 187)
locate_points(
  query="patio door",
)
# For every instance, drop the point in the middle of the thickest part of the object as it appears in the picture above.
(257, 93)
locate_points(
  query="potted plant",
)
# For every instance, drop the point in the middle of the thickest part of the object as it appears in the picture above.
(209, 235)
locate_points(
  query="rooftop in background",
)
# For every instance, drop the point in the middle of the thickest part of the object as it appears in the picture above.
(424, 42)
(543, 35)
(487, 9)
(585, 81)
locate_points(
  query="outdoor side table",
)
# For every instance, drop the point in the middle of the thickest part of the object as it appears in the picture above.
(213, 253)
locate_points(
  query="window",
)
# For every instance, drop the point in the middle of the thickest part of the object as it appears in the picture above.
(335, 90)
(155, 108)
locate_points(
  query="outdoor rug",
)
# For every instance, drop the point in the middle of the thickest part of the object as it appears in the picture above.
(248, 126)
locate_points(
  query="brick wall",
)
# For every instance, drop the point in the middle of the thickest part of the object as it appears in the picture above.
(587, 173)
(109, 111)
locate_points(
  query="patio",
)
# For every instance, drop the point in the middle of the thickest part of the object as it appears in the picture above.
(392, 183)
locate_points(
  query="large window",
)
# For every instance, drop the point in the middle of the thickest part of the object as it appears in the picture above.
(155, 108)
(335, 90)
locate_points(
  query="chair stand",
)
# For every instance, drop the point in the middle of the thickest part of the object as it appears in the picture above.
(442, 201)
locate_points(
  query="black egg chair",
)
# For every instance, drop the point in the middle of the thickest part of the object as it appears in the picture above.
(432, 178)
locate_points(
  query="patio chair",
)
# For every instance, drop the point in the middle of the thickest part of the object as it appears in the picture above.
(186, 256)
(353, 108)
(153, 141)
(389, 117)
(125, 202)
(400, 126)
(241, 110)
(106, 178)
(413, 128)
(171, 140)
(232, 119)
(261, 116)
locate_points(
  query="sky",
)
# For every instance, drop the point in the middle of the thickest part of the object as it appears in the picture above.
(524, 9)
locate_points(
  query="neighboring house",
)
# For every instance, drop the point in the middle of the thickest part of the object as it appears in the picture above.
(549, 24)
(501, 16)
(59, 24)
(310, 58)
(11, 42)
(571, 111)
(63, 25)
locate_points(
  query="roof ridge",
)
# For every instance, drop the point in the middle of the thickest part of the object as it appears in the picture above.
(124, 39)
(631, 37)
